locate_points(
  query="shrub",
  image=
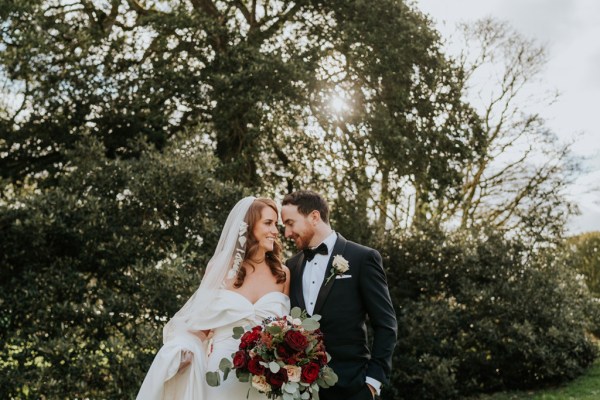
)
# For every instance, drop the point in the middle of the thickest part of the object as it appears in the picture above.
(91, 269)
(478, 312)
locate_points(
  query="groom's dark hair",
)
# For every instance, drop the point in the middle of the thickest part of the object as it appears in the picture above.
(308, 201)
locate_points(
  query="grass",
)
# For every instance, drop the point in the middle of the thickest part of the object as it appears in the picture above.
(586, 387)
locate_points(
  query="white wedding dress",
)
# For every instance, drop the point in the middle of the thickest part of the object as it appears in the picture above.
(227, 310)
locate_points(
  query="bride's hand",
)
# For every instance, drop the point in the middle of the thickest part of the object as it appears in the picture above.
(185, 361)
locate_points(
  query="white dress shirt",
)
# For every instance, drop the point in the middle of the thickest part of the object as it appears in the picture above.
(314, 274)
(312, 279)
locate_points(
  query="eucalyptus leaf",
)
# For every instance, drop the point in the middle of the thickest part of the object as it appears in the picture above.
(316, 317)
(274, 367)
(330, 380)
(274, 330)
(296, 312)
(225, 363)
(238, 331)
(287, 396)
(310, 324)
(242, 376)
(213, 379)
(291, 387)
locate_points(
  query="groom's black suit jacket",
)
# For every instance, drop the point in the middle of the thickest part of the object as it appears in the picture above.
(345, 305)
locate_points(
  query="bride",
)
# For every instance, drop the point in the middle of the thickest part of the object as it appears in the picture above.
(244, 283)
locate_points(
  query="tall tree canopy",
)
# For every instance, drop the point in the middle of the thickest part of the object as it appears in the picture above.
(255, 79)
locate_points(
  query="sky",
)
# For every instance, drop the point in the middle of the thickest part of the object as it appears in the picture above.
(570, 31)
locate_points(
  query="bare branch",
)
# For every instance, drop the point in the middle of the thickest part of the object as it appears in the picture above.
(206, 6)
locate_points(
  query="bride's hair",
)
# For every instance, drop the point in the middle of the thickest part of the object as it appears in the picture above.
(272, 258)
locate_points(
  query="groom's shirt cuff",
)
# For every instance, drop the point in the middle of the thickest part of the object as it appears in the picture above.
(375, 383)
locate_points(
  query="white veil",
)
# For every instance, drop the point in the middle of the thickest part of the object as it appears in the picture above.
(223, 265)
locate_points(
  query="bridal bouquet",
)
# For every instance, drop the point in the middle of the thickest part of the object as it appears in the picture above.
(283, 357)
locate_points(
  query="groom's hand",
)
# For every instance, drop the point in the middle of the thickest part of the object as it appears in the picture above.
(372, 389)
(185, 361)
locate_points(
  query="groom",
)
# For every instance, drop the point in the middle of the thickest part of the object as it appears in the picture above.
(344, 298)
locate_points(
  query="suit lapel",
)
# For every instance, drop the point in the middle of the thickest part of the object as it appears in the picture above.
(297, 277)
(338, 248)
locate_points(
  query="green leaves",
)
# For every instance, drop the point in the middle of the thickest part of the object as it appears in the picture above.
(296, 312)
(274, 367)
(238, 331)
(329, 376)
(479, 302)
(242, 376)
(274, 330)
(225, 365)
(310, 324)
(114, 249)
(213, 378)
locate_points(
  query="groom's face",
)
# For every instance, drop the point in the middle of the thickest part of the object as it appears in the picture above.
(297, 226)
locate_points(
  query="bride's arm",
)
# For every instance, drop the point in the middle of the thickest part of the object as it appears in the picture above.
(185, 361)
(186, 355)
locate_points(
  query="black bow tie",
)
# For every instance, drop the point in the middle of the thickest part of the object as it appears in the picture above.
(309, 254)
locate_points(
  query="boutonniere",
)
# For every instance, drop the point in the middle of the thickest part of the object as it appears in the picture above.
(338, 267)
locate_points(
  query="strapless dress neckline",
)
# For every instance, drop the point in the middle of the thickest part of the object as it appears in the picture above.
(263, 297)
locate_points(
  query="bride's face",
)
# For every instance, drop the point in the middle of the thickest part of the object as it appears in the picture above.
(265, 229)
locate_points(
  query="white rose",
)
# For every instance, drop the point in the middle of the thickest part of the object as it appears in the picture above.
(341, 264)
(294, 373)
(259, 382)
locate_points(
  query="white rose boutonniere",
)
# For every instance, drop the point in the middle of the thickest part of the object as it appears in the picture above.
(339, 266)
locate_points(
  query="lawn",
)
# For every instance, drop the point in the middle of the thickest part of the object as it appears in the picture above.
(586, 387)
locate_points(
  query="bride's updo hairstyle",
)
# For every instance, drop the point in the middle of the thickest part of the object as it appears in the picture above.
(272, 258)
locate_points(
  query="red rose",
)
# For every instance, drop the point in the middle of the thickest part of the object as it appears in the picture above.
(254, 366)
(257, 328)
(249, 339)
(296, 340)
(310, 372)
(291, 361)
(283, 351)
(276, 380)
(240, 359)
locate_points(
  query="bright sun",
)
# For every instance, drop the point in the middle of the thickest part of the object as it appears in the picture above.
(338, 104)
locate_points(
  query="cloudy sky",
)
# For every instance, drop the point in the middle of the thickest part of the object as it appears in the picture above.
(570, 30)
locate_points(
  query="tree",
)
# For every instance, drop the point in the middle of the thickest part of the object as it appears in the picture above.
(584, 256)
(252, 77)
(519, 177)
(125, 68)
(395, 124)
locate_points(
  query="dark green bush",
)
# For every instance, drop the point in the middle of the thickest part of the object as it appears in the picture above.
(479, 312)
(92, 267)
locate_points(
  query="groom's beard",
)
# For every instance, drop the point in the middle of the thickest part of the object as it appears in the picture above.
(302, 241)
